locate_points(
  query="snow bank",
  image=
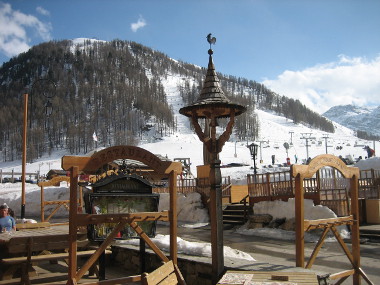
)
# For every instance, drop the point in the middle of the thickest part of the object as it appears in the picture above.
(191, 248)
(370, 163)
(280, 209)
(189, 208)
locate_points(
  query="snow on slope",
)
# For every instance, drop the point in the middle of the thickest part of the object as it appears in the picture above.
(171, 83)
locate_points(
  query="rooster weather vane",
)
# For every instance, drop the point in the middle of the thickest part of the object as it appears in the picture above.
(211, 40)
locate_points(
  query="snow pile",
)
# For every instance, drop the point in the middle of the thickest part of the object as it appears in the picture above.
(191, 248)
(279, 209)
(190, 208)
(370, 163)
(11, 194)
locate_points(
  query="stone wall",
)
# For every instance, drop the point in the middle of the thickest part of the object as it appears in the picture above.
(195, 270)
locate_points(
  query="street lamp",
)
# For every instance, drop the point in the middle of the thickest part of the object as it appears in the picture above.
(211, 105)
(48, 108)
(253, 150)
(47, 87)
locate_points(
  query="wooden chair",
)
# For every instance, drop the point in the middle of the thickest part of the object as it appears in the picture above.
(167, 274)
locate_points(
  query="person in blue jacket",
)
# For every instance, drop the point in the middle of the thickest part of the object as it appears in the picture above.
(7, 223)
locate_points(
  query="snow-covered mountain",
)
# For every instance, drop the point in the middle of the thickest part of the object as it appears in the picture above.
(274, 131)
(356, 118)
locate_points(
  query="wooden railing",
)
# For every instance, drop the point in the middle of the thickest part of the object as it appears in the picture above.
(200, 185)
(327, 187)
(14, 174)
(369, 183)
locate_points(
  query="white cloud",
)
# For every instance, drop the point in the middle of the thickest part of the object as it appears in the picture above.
(15, 28)
(139, 24)
(346, 81)
(42, 11)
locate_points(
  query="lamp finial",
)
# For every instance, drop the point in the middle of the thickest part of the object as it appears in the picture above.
(211, 40)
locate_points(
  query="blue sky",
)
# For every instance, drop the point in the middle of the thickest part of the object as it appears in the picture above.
(322, 52)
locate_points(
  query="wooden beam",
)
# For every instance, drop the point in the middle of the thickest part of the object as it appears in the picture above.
(173, 216)
(299, 216)
(54, 181)
(94, 219)
(314, 224)
(149, 242)
(317, 248)
(72, 225)
(91, 164)
(321, 161)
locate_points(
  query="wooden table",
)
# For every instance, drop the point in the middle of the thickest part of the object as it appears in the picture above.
(268, 278)
(35, 233)
(16, 248)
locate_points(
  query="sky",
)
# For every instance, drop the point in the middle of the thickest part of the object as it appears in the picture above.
(324, 52)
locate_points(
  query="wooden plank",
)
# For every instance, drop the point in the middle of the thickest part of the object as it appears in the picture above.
(117, 281)
(275, 276)
(173, 217)
(93, 163)
(318, 246)
(32, 225)
(149, 242)
(160, 274)
(54, 181)
(321, 161)
(39, 243)
(44, 257)
(94, 219)
(342, 274)
(312, 224)
(102, 247)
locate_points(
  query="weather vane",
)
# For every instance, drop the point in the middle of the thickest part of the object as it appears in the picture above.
(211, 40)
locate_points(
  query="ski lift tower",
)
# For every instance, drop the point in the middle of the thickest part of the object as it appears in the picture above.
(307, 137)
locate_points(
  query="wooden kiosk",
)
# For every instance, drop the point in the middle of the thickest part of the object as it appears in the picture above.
(299, 173)
(90, 165)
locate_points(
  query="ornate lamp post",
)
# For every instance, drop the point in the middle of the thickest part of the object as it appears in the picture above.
(253, 150)
(211, 105)
(47, 87)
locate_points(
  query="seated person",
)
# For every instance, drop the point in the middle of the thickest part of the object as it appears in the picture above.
(7, 223)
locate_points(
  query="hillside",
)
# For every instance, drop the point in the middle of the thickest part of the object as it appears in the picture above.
(275, 131)
(357, 118)
(120, 91)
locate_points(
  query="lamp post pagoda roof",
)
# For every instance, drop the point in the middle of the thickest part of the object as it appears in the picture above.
(212, 98)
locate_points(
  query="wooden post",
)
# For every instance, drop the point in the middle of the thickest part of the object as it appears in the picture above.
(173, 216)
(355, 234)
(42, 204)
(299, 215)
(269, 191)
(24, 156)
(73, 223)
(216, 221)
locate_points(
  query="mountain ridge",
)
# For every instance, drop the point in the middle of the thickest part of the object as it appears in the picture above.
(116, 89)
(356, 118)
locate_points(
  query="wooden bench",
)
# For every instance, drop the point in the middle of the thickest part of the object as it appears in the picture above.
(167, 274)
(43, 247)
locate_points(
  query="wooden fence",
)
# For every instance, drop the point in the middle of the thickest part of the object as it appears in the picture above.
(327, 188)
(200, 185)
(14, 176)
